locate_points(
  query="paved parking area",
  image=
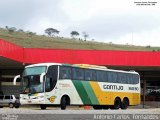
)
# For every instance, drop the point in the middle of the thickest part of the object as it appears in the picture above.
(75, 113)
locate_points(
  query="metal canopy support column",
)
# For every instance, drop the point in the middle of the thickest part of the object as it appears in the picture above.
(144, 90)
(0, 80)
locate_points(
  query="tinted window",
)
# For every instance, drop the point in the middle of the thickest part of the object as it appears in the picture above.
(130, 79)
(1, 97)
(90, 74)
(51, 78)
(7, 97)
(122, 78)
(35, 70)
(112, 77)
(78, 73)
(49, 84)
(135, 79)
(65, 72)
(101, 76)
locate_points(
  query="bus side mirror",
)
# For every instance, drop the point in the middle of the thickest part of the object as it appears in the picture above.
(41, 77)
(15, 79)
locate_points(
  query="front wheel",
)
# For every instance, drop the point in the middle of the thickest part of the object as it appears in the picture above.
(63, 103)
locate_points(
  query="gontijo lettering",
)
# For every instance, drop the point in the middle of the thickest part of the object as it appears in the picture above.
(113, 87)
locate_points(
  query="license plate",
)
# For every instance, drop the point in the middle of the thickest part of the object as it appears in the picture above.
(29, 101)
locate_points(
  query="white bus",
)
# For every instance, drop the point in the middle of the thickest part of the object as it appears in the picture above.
(50, 84)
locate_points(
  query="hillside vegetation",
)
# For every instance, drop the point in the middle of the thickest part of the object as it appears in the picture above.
(41, 41)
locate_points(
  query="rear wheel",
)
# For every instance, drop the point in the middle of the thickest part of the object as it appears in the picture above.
(43, 107)
(97, 107)
(105, 107)
(117, 104)
(11, 105)
(125, 103)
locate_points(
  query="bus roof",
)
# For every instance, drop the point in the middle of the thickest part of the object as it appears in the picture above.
(43, 64)
(90, 66)
(83, 66)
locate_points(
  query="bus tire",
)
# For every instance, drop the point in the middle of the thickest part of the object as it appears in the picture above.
(105, 107)
(125, 103)
(63, 103)
(117, 104)
(43, 107)
(97, 107)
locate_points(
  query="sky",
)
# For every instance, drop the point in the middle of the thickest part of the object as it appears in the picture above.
(116, 21)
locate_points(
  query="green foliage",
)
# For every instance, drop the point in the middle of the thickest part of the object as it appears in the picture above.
(51, 31)
(24, 39)
(11, 29)
(20, 30)
(85, 35)
(30, 34)
(74, 33)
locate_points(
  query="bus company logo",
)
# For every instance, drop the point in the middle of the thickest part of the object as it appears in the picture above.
(113, 87)
(52, 99)
(64, 85)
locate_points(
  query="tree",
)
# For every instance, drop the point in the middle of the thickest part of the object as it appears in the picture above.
(74, 34)
(20, 30)
(30, 34)
(51, 31)
(85, 35)
(11, 30)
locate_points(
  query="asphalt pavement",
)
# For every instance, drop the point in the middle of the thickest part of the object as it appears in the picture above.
(74, 113)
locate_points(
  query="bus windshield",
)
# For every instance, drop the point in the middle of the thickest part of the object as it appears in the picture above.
(37, 70)
(31, 84)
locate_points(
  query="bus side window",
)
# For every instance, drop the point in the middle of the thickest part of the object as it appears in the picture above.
(78, 74)
(135, 79)
(123, 78)
(130, 79)
(65, 72)
(114, 77)
(110, 77)
(90, 74)
(119, 78)
(127, 79)
(101, 76)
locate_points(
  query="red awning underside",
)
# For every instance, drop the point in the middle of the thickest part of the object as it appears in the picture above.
(97, 57)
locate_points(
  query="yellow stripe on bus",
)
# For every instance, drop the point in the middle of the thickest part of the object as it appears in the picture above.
(102, 97)
(107, 98)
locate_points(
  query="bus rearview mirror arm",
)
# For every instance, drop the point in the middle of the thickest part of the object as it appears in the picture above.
(15, 79)
(41, 77)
